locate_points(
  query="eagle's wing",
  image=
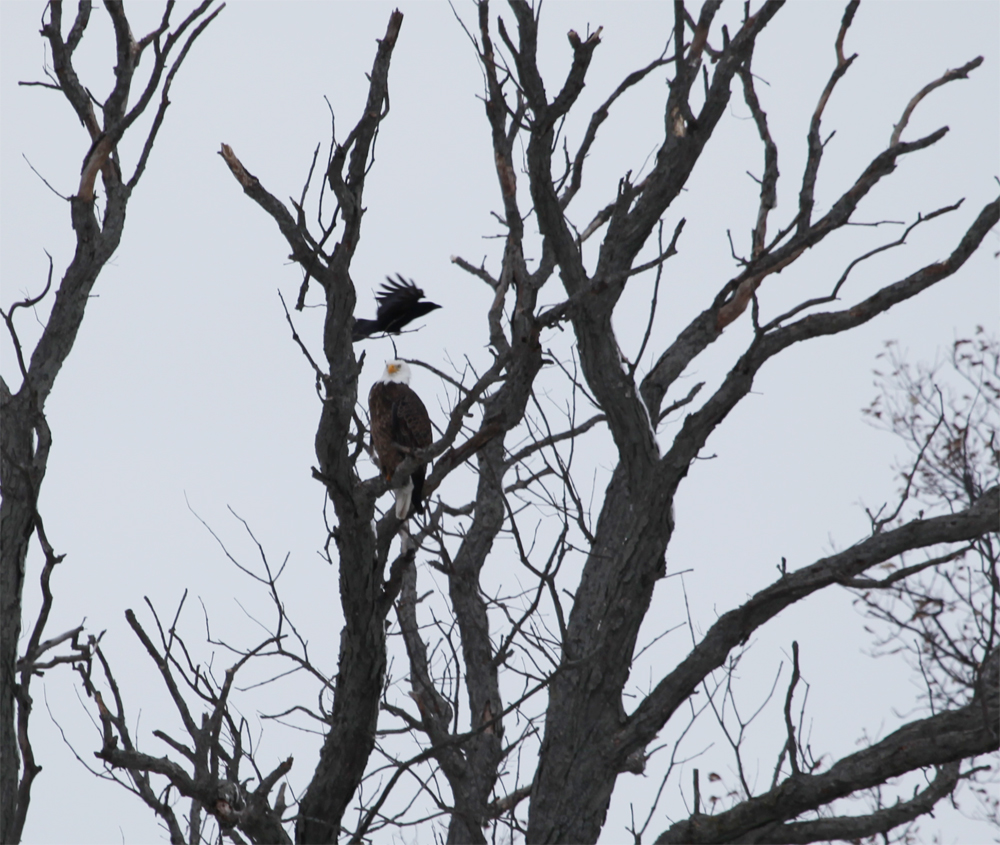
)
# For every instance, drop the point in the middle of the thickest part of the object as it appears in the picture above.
(399, 419)
(411, 425)
(380, 410)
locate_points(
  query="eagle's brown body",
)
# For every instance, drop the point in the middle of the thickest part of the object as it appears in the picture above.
(399, 419)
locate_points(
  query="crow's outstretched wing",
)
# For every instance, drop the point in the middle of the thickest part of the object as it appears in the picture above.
(399, 302)
(398, 293)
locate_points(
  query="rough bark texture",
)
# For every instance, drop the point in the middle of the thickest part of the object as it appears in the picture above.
(25, 437)
(942, 739)
(581, 636)
(361, 667)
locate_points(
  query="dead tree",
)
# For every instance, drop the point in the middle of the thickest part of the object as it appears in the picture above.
(942, 612)
(26, 437)
(515, 713)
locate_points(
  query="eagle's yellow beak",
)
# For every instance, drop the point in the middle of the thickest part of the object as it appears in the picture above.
(392, 369)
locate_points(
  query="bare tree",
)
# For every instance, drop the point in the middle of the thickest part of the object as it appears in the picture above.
(515, 717)
(26, 437)
(941, 613)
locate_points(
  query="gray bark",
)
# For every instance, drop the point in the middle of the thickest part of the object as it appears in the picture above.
(576, 774)
(588, 738)
(25, 437)
(944, 738)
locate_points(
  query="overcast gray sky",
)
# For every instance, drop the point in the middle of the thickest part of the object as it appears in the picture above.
(184, 385)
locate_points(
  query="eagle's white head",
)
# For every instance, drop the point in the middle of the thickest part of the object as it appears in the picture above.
(396, 371)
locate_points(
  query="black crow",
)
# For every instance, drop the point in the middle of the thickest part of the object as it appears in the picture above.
(398, 303)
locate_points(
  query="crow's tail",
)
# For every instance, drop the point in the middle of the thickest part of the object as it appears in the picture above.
(364, 328)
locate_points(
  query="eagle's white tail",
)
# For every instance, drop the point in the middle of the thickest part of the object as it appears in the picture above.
(403, 496)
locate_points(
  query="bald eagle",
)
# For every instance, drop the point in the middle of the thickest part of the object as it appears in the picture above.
(399, 302)
(399, 424)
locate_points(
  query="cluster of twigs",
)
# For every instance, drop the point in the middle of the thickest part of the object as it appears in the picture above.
(510, 713)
